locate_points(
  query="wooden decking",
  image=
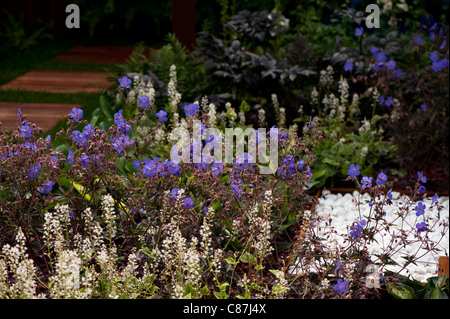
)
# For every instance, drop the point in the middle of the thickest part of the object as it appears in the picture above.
(60, 81)
(44, 115)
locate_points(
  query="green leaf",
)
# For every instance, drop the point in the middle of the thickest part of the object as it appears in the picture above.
(248, 258)
(190, 292)
(244, 107)
(105, 107)
(63, 148)
(122, 162)
(436, 293)
(401, 291)
(436, 281)
(231, 261)
(94, 120)
(204, 291)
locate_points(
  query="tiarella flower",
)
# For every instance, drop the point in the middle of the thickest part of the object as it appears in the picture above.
(353, 171)
(25, 131)
(46, 187)
(381, 179)
(421, 227)
(188, 203)
(366, 182)
(348, 66)
(341, 287)
(420, 209)
(76, 114)
(125, 82)
(144, 101)
(162, 116)
(190, 109)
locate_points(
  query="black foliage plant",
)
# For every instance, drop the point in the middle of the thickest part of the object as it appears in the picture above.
(255, 58)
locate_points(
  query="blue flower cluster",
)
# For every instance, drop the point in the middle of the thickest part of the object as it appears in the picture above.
(156, 167)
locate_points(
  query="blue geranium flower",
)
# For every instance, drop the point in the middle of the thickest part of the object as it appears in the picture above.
(84, 160)
(25, 131)
(381, 57)
(70, 157)
(421, 227)
(366, 182)
(353, 171)
(190, 109)
(46, 187)
(76, 114)
(188, 203)
(34, 171)
(144, 101)
(162, 115)
(359, 31)
(390, 65)
(348, 66)
(125, 82)
(418, 39)
(381, 179)
(341, 286)
(434, 56)
(420, 209)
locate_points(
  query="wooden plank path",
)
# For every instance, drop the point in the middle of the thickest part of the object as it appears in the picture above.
(44, 115)
(60, 81)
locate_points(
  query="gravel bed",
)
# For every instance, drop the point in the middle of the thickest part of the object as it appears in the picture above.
(338, 212)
